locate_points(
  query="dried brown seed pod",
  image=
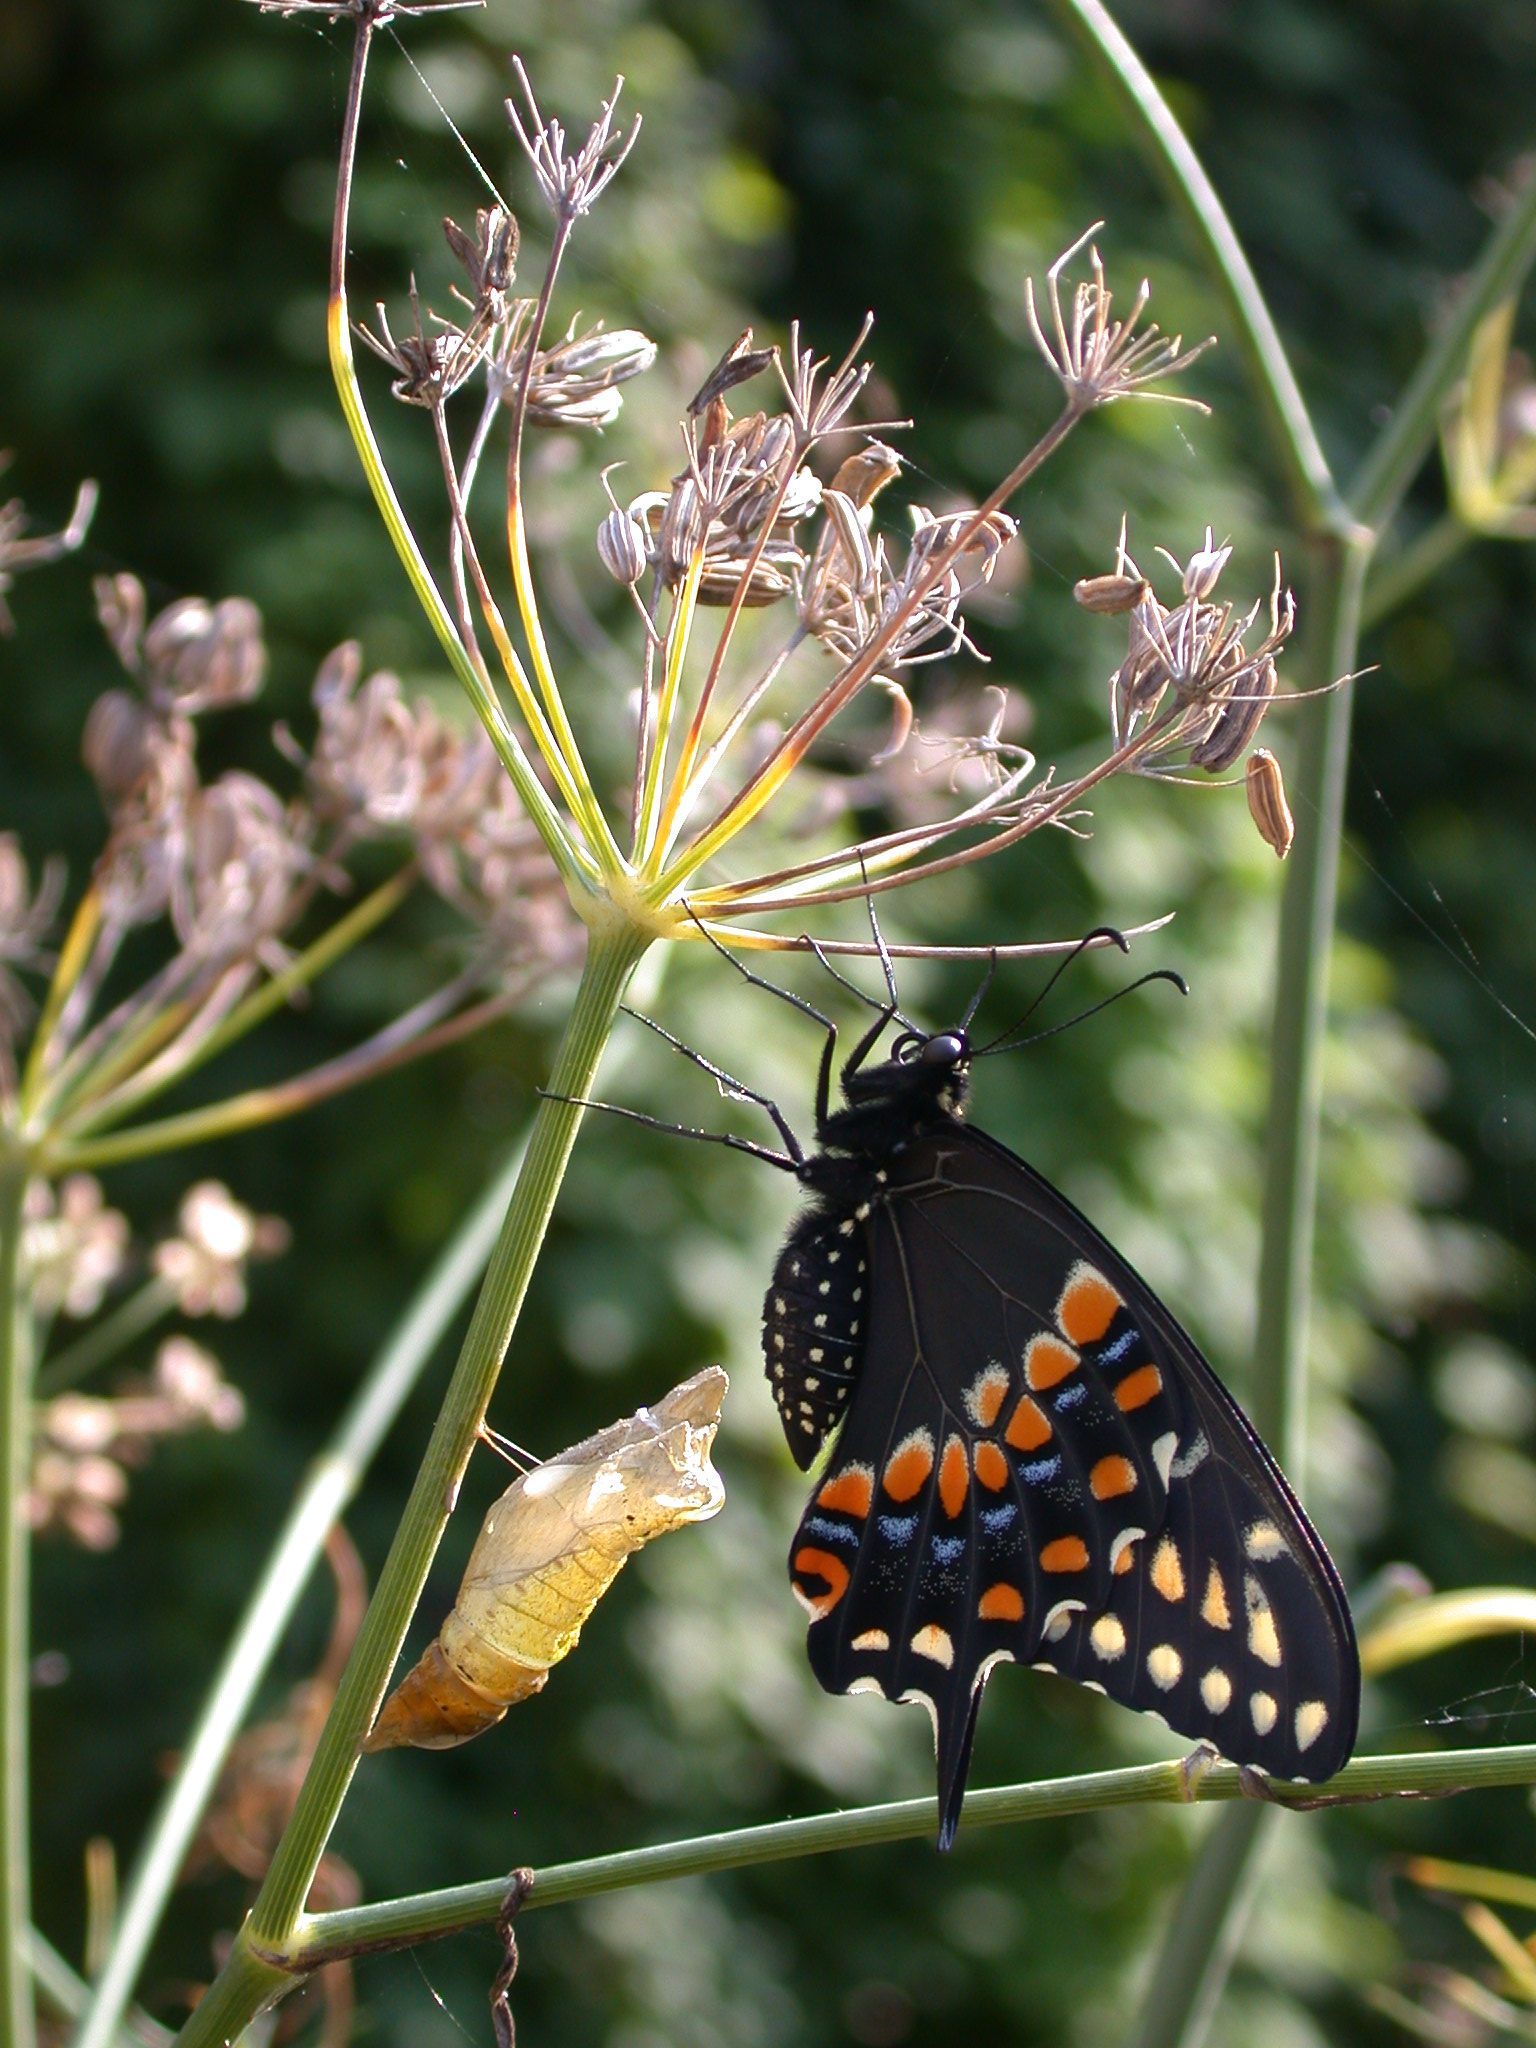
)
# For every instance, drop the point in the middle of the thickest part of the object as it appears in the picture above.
(1111, 593)
(1266, 801)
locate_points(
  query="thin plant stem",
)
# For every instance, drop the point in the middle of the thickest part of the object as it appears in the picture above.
(1309, 481)
(322, 1498)
(396, 1923)
(104, 1340)
(17, 2026)
(68, 1993)
(269, 1930)
(574, 863)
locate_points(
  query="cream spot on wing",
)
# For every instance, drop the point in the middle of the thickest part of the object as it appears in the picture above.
(1059, 1619)
(1216, 1690)
(1264, 1710)
(934, 1643)
(1311, 1720)
(1108, 1638)
(1165, 1667)
(872, 1639)
(1263, 1542)
(1263, 1639)
(1162, 1455)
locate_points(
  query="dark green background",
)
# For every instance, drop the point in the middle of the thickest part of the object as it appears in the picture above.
(162, 265)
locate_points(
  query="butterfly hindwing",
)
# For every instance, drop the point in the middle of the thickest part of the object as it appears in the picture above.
(1039, 1467)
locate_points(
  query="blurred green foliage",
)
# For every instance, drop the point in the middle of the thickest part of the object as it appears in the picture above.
(162, 266)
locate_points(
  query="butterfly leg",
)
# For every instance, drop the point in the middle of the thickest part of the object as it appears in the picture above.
(829, 1048)
(737, 1090)
(1195, 1768)
(784, 1161)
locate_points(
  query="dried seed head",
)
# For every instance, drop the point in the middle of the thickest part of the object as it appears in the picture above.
(575, 383)
(1236, 723)
(242, 854)
(1096, 359)
(201, 657)
(1266, 801)
(428, 368)
(570, 184)
(621, 547)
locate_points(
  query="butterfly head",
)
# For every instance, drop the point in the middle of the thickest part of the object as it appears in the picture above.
(927, 1073)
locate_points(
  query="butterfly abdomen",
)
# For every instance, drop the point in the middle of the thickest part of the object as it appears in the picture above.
(815, 1316)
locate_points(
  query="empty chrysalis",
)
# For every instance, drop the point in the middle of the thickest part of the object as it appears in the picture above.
(547, 1552)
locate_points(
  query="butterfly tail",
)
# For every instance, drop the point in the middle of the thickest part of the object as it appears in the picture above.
(953, 1739)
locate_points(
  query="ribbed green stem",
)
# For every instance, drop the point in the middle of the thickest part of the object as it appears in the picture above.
(331, 1482)
(17, 2027)
(395, 1923)
(270, 1929)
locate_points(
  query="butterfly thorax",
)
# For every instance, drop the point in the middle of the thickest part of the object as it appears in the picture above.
(815, 1316)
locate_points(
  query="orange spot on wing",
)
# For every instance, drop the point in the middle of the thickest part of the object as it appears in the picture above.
(1111, 1477)
(1029, 1428)
(1047, 1361)
(954, 1477)
(1125, 1561)
(1001, 1602)
(991, 1467)
(1138, 1388)
(1065, 1554)
(986, 1396)
(907, 1473)
(821, 1564)
(1087, 1306)
(849, 1492)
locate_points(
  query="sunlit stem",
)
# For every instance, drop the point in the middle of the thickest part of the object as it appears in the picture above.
(587, 807)
(273, 994)
(699, 781)
(465, 552)
(16, 2002)
(572, 860)
(666, 707)
(260, 1106)
(73, 955)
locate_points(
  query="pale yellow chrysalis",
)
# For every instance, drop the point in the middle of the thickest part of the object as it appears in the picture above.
(547, 1552)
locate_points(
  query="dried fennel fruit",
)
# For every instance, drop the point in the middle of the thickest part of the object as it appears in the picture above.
(549, 1549)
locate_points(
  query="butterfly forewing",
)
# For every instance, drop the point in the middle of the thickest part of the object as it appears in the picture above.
(1039, 1467)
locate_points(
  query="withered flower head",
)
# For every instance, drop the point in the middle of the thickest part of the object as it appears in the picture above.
(217, 1237)
(1097, 359)
(74, 1245)
(428, 368)
(571, 183)
(489, 256)
(243, 852)
(26, 917)
(20, 550)
(575, 383)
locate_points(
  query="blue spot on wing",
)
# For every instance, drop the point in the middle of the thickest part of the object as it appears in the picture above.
(1041, 1470)
(947, 1548)
(897, 1528)
(1118, 1349)
(1071, 1395)
(833, 1532)
(995, 1519)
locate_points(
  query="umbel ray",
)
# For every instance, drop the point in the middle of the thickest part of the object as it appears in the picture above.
(1031, 1461)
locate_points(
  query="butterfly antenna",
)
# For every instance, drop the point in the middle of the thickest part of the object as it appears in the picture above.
(976, 1000)
(1100, 931)
(886, 965)
(1008, 1043)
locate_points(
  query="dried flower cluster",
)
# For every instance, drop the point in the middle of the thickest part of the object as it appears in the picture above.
(75, 1252)
(778, 508)
(237, 870)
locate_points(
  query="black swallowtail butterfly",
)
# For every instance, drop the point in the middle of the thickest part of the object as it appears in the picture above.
(1033, 1462)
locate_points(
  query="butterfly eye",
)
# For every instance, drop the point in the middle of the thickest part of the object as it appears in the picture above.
(944, 1049)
